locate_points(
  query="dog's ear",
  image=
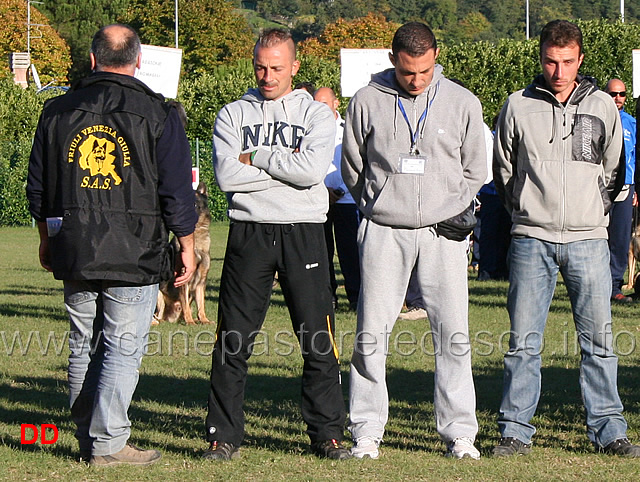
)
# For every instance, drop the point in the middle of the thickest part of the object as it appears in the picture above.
(202, 188)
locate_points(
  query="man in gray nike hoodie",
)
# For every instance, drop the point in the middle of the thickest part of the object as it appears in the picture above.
(272, 149)
(413, 155)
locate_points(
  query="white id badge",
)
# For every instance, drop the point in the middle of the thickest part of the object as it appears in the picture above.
(411, 164)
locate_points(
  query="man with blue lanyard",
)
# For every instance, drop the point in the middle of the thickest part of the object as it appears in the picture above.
(413, 155)
(622, 211)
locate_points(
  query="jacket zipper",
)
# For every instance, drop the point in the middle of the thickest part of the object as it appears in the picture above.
(417, 182)
(564, 173)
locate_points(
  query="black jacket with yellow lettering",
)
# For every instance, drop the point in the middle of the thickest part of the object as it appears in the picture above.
(93, 164)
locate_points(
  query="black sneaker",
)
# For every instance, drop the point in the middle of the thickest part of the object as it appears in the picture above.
(509, 446)
(330, 449)
(85, 455)
(221, 451)
(622, 447)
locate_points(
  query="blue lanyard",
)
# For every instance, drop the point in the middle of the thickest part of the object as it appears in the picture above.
(423, 118)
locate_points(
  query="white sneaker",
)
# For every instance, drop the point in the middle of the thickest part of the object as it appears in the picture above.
(413, 314)
(462, 447)
(366, 447)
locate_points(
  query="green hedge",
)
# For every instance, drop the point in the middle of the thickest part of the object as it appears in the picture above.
(491, 70)
(19, 111)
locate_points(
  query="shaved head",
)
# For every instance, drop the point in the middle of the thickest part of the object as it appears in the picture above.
(327, 96)
(618, 91)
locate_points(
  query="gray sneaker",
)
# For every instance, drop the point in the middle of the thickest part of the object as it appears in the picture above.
(129, 455)
(413, 313)
(462, 447)
(366, 447)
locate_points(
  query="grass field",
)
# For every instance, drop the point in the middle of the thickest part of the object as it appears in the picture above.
(170, 403)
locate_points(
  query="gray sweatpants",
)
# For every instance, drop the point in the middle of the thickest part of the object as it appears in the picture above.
(387, 256)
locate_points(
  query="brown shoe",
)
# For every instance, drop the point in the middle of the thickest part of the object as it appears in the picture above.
(129, 455)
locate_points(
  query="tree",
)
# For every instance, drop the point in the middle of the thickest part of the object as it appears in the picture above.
(49, 52)
(352, 9)
(507, 18)
(440, 14)
(372, 31)
(473, 26)
(210, 32)
(77, 21)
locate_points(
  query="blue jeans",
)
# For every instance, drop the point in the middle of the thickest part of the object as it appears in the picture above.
(109, 328)
(584, 265)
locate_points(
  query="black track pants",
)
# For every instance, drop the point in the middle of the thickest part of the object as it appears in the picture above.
(254, 253)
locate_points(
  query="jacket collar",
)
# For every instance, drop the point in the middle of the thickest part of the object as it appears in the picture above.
(113, 78)
(586, 85)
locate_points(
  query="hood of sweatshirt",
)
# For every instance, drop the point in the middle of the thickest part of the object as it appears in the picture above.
(386, 82)
(586, 85)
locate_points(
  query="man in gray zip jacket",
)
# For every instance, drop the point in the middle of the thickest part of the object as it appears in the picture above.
(557, 148)
(413, 155)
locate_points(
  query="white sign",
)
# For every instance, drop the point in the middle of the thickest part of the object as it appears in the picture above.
(636, 72)
(160, 69)
(358, 65)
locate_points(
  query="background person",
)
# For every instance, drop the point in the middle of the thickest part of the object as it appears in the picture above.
(495, 236)
(413, 301)
(110, 171)
(343, 217)
(621, 214)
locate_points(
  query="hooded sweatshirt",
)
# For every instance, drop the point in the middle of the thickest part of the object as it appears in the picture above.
(553, 162)
(450, 138)
(293, 140)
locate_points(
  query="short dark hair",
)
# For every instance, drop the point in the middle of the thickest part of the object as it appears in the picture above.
(457, 81)
(308, 86)
(414, 38)
(560, 33)
(116, 50)
(275, 36)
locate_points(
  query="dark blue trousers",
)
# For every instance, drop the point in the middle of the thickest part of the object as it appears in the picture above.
(495, 238)
(620, 218)
(343, 221)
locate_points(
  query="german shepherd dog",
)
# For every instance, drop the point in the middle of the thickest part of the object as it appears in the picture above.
(634, 255)
(175, 302)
